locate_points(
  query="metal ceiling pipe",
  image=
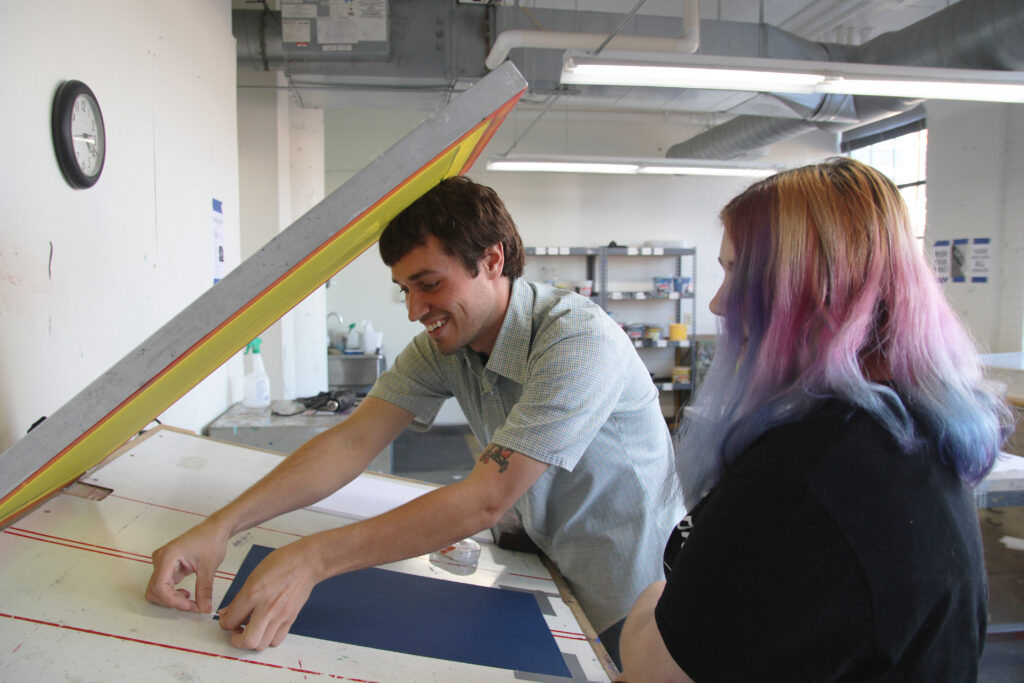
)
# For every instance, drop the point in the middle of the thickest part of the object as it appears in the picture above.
(258, 39)
(564, 40)
(745, 133)
(816, 18)
(972, 34)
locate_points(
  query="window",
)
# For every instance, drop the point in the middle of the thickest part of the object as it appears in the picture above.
(901, 155)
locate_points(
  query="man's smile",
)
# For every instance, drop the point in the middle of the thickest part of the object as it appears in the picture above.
(435, 325)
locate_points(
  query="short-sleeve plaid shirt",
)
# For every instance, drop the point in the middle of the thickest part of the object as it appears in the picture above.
(565, 386)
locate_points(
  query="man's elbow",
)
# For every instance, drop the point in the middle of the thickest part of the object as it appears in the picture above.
(483, 500)
(491, 512)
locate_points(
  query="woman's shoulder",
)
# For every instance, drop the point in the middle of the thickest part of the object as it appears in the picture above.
(833, 430)
(853, 465)
(863, 478)
(835, 427)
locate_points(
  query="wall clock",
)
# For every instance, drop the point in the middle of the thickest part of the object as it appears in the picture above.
(78, 134)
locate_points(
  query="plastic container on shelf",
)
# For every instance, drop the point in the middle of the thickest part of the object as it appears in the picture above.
(635, 330)
(681, 374)
(372, 339)
(663, 285)
(354, 340)
(682, 285)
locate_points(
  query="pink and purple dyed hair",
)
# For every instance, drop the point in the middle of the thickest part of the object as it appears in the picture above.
(831, 296)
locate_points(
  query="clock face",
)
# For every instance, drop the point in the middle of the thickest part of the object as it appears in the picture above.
(79, 138)
(87, 134)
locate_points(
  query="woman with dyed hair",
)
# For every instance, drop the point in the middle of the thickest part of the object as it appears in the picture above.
(829, 459)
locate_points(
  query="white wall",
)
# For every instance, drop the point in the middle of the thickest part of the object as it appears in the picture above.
(304, 328)
(258, 175)
(1010, 304)
(281, 172)
(976, 189)
(86, 275)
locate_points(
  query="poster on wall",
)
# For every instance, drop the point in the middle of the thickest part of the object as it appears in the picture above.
(219, 266)
(941, 258)
(981, 257)
(958, 262)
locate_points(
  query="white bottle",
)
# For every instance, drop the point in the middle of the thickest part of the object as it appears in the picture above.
(257, 384)
(354, 340)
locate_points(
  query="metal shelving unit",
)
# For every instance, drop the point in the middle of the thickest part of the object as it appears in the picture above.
(598, 266)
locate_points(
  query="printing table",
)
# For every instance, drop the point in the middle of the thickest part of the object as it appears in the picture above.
(74, 572)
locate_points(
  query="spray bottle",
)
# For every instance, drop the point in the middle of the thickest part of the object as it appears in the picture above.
(257, 384)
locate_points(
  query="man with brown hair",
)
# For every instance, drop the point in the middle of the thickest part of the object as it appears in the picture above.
(575, 437)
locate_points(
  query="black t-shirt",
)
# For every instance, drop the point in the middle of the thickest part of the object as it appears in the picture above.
(826, 553)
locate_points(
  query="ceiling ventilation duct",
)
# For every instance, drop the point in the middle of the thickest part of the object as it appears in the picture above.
(406, 58)
(435, 47)
(687, 43)
(972, 34)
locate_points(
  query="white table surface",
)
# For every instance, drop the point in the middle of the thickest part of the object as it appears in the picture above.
(74, 573)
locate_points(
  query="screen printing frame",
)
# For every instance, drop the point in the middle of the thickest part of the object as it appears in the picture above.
(128, 396)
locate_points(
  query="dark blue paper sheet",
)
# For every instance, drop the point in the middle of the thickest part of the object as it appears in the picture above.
(417, 615)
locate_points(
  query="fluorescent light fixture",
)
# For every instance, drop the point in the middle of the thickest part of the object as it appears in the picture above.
(681, 169)
(558, 166)
(627, 166)
(790, 75)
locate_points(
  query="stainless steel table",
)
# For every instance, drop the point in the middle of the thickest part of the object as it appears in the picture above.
(261, 428)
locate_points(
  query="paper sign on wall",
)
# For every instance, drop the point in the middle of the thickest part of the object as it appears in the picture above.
(963, 260)
(219, 266)
(981, 257)
(958, 262)
(941, 255)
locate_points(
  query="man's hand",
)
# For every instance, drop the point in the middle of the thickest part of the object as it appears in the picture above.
(198, 551)
(316, 469)
(267, 605)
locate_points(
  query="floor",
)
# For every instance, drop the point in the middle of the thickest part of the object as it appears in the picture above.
(446, 454)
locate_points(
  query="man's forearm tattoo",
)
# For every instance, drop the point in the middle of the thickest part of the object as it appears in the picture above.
(497, 454)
